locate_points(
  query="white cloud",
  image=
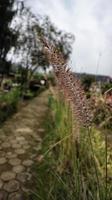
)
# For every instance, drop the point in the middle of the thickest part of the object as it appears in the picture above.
(90, 22)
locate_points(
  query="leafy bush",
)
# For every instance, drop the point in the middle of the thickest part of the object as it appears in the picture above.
(8, 103)
(38, 76)
(105, 87)
(28, 95)
(87, 82)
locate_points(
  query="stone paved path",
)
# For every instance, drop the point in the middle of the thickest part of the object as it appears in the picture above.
(20, 142)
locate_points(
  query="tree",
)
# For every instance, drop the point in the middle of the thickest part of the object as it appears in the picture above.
(30, 46)
(61, 40)
(26, 45)
(7, 34)
(87, 81)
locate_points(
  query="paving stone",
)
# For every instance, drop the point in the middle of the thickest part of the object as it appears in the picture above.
(3, 161)
(23, 142)
(20, 138)
(41, 130)
(14, 141)
(1, 184)
(16, 146)
(11, 155)
(32, 156)
(20, 151)
(15, 196)
(8, 175)
(25, 190)
(6, 145)
(1, 147)
(11, 186)
(29, 176)
(14, 161)
(28, 170)
(27, 163)
(38, 148)
(11, 138)
(24, 177)
(24, 130)
(37, 138)
(18, 169)
(3, 195)
(2, 153)
(26, 146)
(2, 137)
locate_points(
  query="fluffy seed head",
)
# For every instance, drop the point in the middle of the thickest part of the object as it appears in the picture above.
(70, 85)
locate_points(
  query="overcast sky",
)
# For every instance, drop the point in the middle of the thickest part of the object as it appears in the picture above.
(91, 23)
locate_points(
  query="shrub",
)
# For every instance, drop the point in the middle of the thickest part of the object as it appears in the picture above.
(105, 87)
(28, 95)
(8, 103)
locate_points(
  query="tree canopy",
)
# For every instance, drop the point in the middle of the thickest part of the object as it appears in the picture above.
(30, 46)
(25, 35)
(7, 34)
(29, 51)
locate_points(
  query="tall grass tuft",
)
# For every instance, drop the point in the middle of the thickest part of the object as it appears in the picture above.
(71, 170)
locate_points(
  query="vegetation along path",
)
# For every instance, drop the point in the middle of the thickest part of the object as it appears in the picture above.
(20, 142)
